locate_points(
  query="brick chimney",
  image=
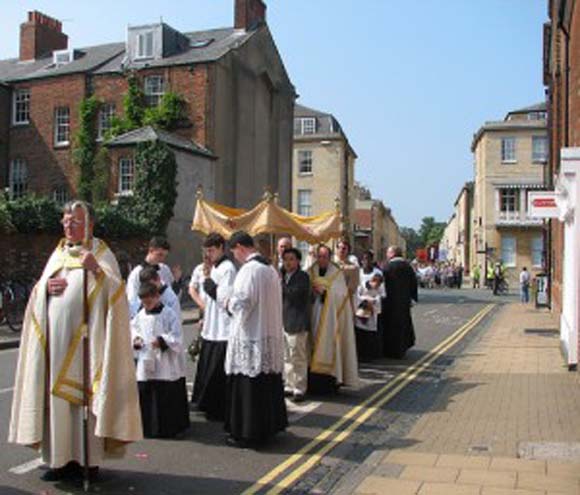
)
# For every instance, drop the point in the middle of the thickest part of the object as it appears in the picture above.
(250, 14)
(40, 36)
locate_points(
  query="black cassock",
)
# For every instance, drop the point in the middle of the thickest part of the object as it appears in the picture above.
(396, 321)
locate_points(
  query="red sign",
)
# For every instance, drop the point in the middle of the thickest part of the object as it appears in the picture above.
(544, 203)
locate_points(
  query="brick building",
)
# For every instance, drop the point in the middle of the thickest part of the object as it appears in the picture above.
(239, 109)
(562, 79)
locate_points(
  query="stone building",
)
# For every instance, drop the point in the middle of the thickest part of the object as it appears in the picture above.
(510, 158)
(457, 234)
(374, 226)
(236, 139)
(323, 170)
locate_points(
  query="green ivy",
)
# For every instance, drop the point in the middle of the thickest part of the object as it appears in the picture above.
(168, 114)
(85, 149)
(155, 189)
(34, 214)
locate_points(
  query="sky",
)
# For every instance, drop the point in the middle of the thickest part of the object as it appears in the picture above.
(409, 81)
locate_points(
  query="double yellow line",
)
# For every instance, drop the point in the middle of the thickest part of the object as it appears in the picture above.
(310, 455)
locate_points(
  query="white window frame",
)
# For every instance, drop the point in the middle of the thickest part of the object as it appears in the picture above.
(537, 251)
(154, 89)
(304, 202)
(17, 178)
(106, 115)
(126, 177)
(62, 126)
(304, 156)
(539, 157)
(308, 123)
(21, 107)
(509, 257)
(61, 194)
(508, 153)
(144, 39)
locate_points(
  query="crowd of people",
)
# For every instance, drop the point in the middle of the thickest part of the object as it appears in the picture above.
(440, 274)
(270, 330)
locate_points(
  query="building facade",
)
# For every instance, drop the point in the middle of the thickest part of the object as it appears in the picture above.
(456, 238)
(239, 106)
(323, 166)
(510, 157)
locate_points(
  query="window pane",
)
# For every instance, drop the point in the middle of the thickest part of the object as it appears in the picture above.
(21, 106)
(62, 125)
(126, 175)
(106, 115)
(308, 126)
(305, 202)
(18, 178)
(537, 251)
(539, 149)
(305, 162)
(508, 149)
(154, 90)
(508, 251)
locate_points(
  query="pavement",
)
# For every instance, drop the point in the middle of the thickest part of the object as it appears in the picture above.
(11, 340)
(506, 420)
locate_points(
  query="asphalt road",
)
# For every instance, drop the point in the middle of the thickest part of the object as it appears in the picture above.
(201, 463)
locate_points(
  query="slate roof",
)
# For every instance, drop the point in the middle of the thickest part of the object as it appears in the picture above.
(538, 107)
(110, 57)
(147, 134)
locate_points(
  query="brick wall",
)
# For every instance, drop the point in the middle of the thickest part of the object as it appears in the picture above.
(49, 166)
(28, 254)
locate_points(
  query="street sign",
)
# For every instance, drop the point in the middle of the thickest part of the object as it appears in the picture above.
(542, 204)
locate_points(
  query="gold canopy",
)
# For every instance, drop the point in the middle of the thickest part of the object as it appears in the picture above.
(267, 217)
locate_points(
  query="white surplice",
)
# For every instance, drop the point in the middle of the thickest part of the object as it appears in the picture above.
(154, 363)
(256, 343)
(216, 320)
(133, 282)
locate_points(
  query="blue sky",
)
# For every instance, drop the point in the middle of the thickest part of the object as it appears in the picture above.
(409, 81)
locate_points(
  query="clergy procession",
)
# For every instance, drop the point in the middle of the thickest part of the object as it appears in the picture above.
(102, 362)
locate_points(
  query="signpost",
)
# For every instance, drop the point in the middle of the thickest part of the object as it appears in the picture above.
(542, 204)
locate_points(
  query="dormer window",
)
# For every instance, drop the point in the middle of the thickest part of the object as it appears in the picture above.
(308, 125)
(145, 45)
(62, 57)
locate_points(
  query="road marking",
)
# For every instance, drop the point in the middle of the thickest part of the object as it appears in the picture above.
(390, 389)
(27, 466)
(6, 390)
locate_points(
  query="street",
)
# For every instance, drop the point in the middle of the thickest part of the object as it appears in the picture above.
(340, 432)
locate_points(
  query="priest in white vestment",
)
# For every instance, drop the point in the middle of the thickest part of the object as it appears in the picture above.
(334, 361)
(47, 407)
(255, 409)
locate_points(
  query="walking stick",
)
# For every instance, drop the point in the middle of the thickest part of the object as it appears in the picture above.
(86, 356)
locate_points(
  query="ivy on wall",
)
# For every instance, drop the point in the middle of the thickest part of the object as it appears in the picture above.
(85, 148)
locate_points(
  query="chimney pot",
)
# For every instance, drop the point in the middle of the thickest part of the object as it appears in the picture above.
(40, 36)
(249, 14)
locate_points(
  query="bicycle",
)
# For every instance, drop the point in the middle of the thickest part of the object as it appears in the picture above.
(13, 300)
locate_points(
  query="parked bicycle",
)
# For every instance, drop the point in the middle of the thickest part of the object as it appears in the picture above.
(13, 299)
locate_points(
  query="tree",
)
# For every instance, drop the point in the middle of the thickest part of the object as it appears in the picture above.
(430, 231)
(412, 239)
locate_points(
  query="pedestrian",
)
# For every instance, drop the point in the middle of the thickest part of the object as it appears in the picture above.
(198, 275)
(333, 362)
(350, 267)
(158, 339)
(255, 409)
(497, 278)
(47, 404)
(296, 300)
(459, 276)
(370, 294)
(525, 285)
(150, 275)
(209, 391)
(157, 253)
(476, 276)
(401, 289)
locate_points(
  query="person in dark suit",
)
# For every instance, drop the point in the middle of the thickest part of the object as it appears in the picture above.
(401, 288)
(296, 318)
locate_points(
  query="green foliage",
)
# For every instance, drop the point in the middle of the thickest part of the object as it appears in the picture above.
(33, 214)
(412, 239)
(431, 231)
(102, 176)
(134, 104)
(117, 221)
(168, 114)
(85, 148)
(6, 225)
(155, 189)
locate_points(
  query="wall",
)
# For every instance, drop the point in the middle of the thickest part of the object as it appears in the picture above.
(5, 110)
(251, 133)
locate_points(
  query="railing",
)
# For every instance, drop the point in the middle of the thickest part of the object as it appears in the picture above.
(515, 218)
